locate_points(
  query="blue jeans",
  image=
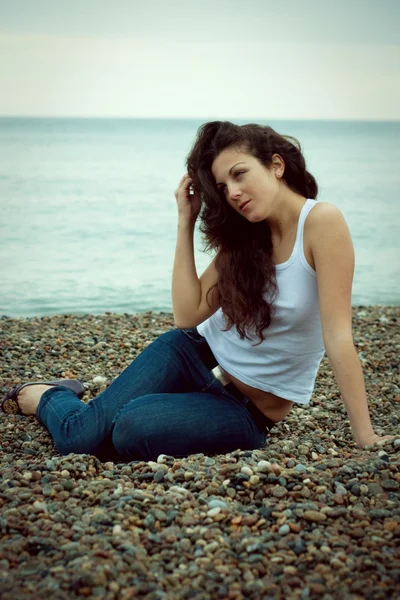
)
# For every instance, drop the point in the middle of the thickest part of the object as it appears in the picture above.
(167, 401)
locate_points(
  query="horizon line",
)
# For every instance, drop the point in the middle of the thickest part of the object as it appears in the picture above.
(163, 118)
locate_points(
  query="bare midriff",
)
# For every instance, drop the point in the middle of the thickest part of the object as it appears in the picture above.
(272, 406)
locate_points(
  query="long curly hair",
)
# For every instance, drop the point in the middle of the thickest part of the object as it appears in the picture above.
(246, 286)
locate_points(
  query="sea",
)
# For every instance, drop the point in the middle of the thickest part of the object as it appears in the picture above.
(89, 220)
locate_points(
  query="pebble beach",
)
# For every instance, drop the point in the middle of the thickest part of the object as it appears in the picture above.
(310, 515)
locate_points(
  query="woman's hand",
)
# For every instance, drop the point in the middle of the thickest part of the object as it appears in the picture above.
(188, 204)
(373, 439)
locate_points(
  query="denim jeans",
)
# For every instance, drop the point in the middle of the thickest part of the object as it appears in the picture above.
(167, 401)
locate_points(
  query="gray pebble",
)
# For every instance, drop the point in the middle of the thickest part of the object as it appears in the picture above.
(284, 529)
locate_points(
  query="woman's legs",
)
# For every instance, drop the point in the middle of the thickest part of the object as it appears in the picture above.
(178, 361)
(183, 424)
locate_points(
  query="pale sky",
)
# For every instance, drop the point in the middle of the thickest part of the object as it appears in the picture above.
(293, 59)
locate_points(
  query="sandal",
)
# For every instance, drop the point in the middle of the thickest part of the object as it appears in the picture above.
(9, 404)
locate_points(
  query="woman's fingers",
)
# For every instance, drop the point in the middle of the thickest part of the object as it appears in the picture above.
(185, 177)
(184, 184)
(187, 198)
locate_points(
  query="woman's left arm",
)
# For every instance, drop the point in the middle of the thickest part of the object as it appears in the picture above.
(333, 255)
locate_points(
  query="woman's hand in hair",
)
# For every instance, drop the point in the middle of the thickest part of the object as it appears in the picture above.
(188, 200)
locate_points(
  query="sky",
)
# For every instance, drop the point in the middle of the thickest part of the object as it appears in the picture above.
(293, 59)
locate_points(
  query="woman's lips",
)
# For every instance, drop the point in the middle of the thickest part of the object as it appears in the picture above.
(245, 205)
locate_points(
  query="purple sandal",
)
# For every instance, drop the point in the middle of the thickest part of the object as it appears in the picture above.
(9, 404)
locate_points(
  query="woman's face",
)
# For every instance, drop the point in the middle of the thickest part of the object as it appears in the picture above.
(247, 185)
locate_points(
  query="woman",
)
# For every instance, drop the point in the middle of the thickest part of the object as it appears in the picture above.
(251, 332)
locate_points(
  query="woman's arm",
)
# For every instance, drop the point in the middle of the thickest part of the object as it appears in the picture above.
(186, 289)
(189, 293)
(333, 255)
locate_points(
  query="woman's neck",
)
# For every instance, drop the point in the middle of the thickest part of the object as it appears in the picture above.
(285, 215)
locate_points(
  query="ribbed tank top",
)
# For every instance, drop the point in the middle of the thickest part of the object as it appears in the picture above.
(286, 363)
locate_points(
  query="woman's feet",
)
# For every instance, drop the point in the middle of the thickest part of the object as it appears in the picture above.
(29, 398)
(24, 398)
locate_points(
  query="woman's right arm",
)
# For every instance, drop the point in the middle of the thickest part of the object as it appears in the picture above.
(189, 293)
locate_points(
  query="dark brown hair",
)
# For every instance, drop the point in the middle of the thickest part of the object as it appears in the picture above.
(246, 273)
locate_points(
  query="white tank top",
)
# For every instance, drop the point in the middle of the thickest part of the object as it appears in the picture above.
(287, 361)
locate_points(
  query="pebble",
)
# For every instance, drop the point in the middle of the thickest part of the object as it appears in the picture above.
(284, 529)
(309, 512)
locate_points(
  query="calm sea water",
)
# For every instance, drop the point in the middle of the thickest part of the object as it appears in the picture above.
(88, 213)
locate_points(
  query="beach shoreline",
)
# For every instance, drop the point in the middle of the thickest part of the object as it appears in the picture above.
(310, 515)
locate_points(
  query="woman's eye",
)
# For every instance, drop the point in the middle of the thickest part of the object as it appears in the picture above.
(223, 188)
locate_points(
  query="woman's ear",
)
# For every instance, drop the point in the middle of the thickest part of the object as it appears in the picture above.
(278, 165)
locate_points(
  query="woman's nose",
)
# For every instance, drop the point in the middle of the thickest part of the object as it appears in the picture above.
(234, 192)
